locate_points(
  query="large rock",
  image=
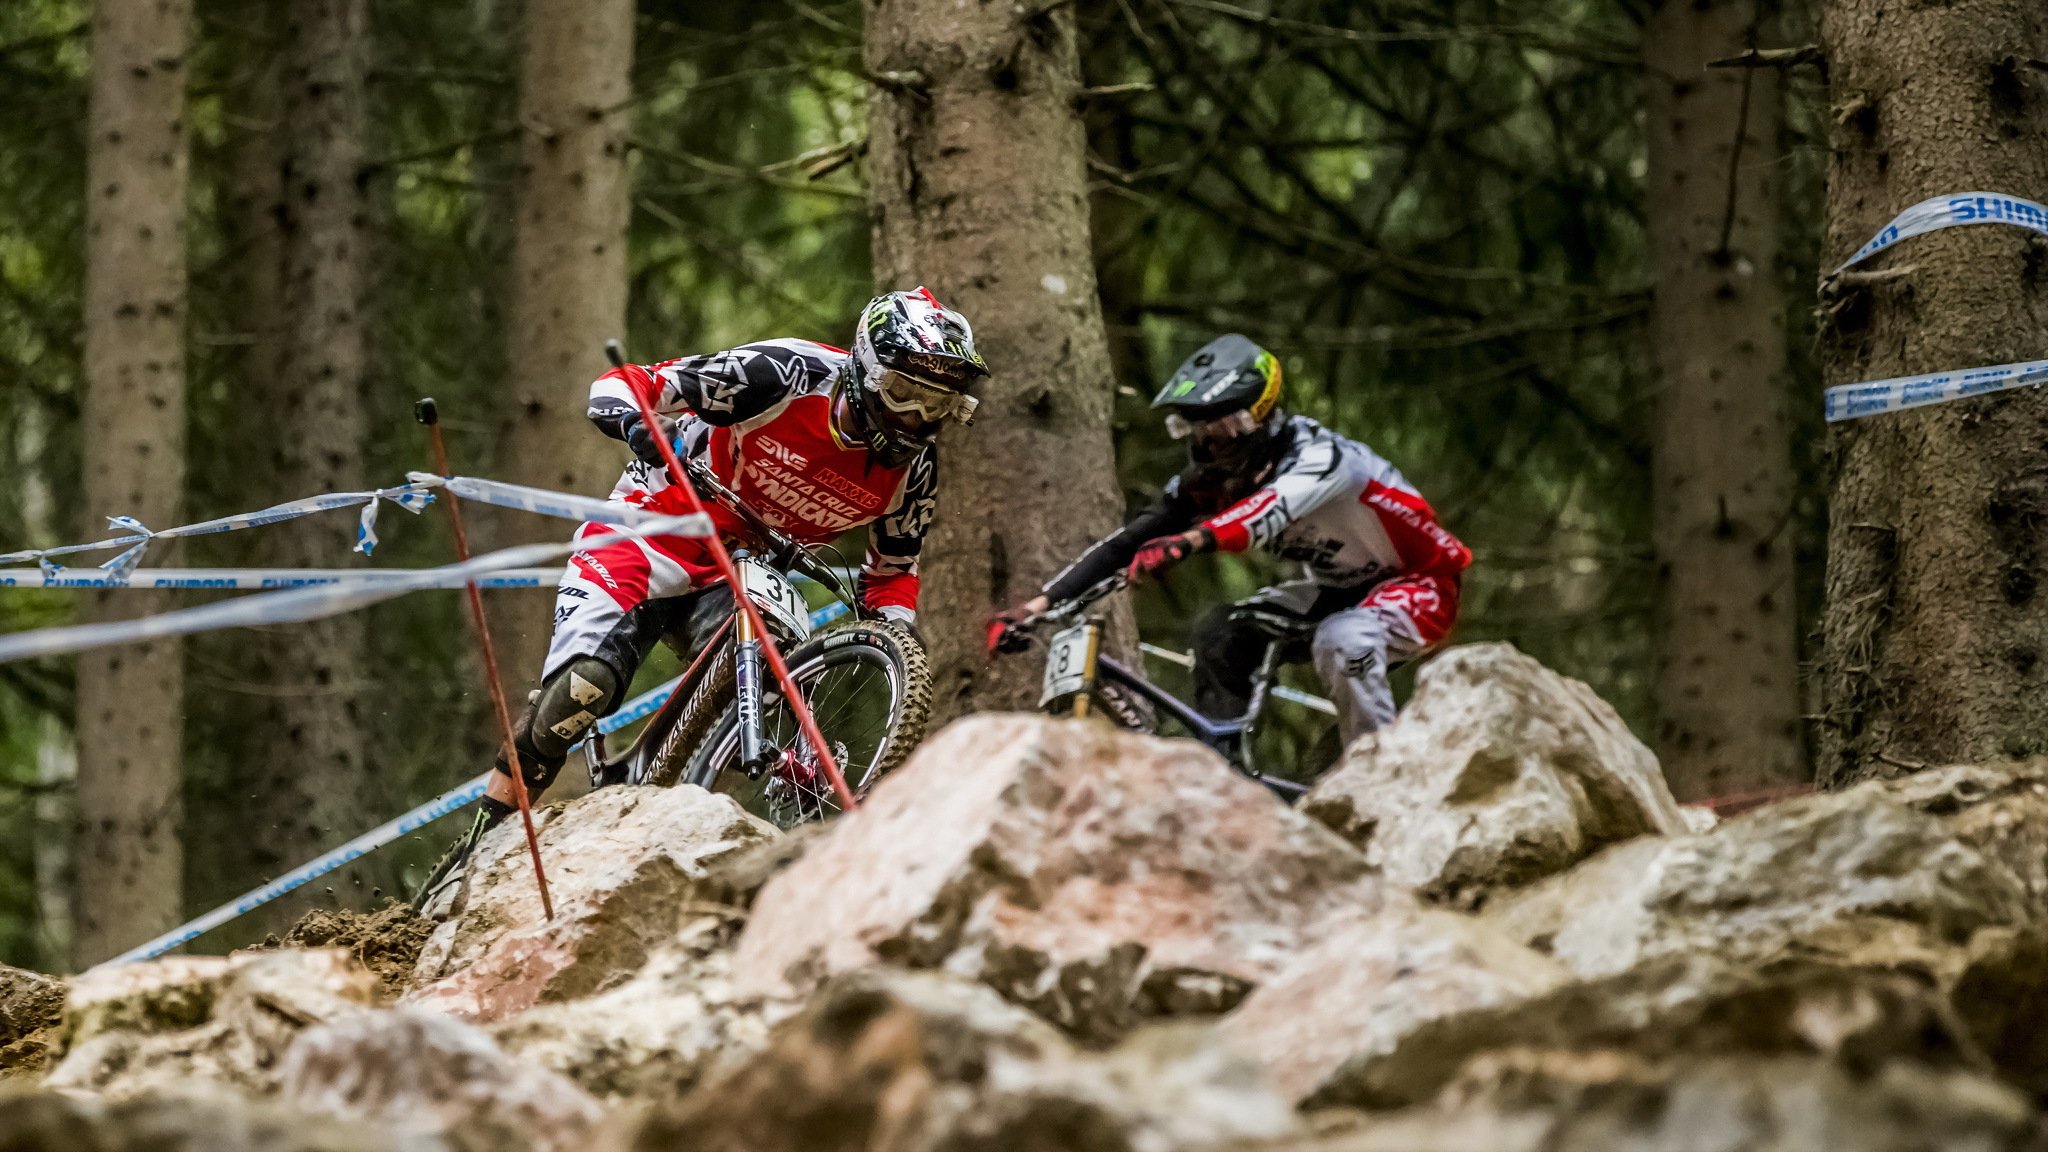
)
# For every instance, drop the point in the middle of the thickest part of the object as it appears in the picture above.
(419, 1072)
(1348, 1004)
(1497, 772)
(31, 1005)
(659, 1032)
(164, 995)
(1094, 876)
(886, 1061)
(621, 865)
(1543, 1101)
(205, 1122)
(2000, 810)
(162, 1026)
(1852, 877)
(1669, 1007)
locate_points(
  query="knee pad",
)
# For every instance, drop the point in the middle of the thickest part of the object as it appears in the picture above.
(562, 712)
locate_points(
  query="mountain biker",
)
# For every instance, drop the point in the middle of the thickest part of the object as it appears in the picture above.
(814, 440)
(1381, 576)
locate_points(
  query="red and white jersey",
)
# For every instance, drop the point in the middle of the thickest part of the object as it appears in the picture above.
(760, 418)
(1342, 510)
(1330, 502)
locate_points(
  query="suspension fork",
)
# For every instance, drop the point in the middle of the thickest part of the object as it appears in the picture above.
(746, 683)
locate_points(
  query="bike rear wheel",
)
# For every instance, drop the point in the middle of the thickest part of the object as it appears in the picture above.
(869, 687)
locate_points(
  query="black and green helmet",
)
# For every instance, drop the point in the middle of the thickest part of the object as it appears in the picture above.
(1229, 374)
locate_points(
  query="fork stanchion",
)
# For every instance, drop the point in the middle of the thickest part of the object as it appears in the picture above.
(430, 415)
(642, 387)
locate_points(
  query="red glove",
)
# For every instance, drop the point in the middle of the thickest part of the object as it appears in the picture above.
(1006, 632)
(1164, 552)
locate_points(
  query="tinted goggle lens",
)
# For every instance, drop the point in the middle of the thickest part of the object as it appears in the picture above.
(1228, 427)
(904, 393)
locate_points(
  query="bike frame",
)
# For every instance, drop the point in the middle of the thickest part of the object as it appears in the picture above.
(1230, 737)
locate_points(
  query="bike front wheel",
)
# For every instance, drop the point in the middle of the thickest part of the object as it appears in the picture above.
(869, 687)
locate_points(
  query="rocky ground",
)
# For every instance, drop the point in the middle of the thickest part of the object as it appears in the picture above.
(1489, 928)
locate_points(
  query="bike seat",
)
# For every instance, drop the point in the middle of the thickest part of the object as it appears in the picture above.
(1275, 624)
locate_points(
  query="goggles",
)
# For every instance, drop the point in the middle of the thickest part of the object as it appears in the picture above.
(1227, 427)
(901, 392)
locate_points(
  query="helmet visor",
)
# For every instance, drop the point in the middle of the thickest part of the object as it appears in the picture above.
(1221, 430)
(907, 395)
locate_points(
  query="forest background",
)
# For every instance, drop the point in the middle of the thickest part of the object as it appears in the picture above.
(1441, 215)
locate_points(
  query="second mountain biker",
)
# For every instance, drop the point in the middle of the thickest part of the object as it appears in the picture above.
(1381, 576)
(815, 440)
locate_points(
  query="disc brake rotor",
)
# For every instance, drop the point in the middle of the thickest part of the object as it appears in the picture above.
(798, 785)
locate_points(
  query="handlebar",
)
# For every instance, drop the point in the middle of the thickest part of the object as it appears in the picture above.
(1068, 611)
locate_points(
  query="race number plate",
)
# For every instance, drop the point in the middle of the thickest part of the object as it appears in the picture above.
(1069, 662)
(776, 597)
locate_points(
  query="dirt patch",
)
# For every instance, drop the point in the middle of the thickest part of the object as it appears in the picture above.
(387, 941)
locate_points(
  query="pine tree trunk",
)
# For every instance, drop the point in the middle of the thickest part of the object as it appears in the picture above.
(979, 192)
(56, 745)
(222, 857)
(1727, 671)
(130, 706)
(1937, 618)
(569, 279)
(309, 782)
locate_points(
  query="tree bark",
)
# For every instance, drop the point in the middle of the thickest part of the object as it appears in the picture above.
(130, 706)
(1936, 620)
(55, 819)
(569, 277)
(1727, 663)
(979, 191)
(222, 856)
(309, 778)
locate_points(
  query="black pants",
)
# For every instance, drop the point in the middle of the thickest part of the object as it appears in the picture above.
(1227, 651)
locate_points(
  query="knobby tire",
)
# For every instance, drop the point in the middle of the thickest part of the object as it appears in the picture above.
(713, 763)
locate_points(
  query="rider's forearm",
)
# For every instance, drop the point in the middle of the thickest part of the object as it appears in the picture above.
(1111, 554)
(889, 594)
(612, 406)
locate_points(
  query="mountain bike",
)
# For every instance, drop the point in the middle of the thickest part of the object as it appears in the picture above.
(1082, 680)
(726, 726)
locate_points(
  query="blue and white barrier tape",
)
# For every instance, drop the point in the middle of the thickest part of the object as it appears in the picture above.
(1950, 212)
(411, 497)
(560, 505)
(1849, 401)
(314, 603)
(249, 579)
(255, 898)
(447, 802)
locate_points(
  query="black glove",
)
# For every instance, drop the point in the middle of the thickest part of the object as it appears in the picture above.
(646, 445)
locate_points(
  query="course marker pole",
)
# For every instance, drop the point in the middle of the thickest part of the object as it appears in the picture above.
(430, 415)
